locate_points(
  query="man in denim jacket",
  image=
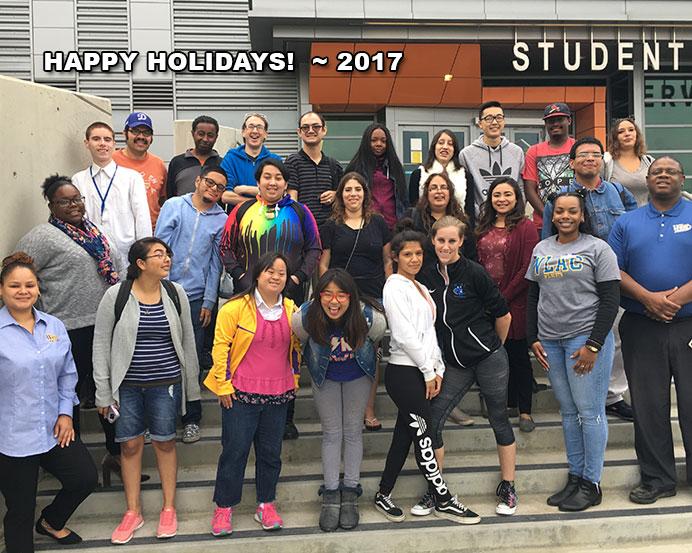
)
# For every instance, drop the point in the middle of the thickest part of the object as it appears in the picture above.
(605, 202)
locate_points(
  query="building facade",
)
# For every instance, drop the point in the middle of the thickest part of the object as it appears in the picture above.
(456, 54)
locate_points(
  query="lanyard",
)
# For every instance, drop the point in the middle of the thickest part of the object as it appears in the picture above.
(103, 198)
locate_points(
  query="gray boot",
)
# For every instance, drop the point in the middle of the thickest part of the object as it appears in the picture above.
(331, 507)
(349, 507)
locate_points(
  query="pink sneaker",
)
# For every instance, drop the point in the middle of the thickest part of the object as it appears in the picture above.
(221, 524)
(267, 516)
(168, 524)
(126, 529)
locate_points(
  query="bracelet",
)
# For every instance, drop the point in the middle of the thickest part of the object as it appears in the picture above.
(593, 345)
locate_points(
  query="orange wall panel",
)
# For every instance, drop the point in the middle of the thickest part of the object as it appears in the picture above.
(540, 96)
(463, 92)
(414, 91)
(427, 60)
(329, 90)
(579, 94)
(509, 96)
(371, 90)
(468, 61)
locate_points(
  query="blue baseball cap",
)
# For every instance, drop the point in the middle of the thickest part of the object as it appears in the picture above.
(138, 119)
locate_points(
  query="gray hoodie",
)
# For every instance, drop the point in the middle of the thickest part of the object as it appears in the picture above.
(484, 164)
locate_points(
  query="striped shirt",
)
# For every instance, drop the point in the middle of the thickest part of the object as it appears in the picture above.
(310, 180)
(154, 360)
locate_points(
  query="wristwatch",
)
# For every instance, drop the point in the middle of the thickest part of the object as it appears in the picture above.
(592, 348)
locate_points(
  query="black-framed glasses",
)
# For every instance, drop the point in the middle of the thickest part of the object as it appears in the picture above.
(490, 118)
(211, 183)
(65, 202)
(142, 132)
(315, 127)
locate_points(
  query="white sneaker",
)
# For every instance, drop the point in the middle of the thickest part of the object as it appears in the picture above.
(191, 433)
(425, 506)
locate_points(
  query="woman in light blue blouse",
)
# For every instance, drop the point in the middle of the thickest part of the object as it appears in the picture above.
(37, 395)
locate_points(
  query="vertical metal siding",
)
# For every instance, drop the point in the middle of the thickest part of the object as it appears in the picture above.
(105, 26)
(15, 38)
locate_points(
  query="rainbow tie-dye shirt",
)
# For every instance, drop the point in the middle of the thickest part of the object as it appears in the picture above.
(255, 228)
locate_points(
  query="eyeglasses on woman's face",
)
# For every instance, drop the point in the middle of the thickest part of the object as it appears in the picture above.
(341, 297)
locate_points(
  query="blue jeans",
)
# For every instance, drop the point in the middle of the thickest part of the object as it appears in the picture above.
(193, 409)
(242, 425)
(582, 403)
(152, 407)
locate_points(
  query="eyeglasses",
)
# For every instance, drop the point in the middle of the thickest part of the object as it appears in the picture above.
(341, 297)
(437, 187)
(69, 201)
(160, 255)
(141, 132)
(586, 155)
(315, 127)
(490, 118)
(255, 127)
(211, 183)
(665, 170)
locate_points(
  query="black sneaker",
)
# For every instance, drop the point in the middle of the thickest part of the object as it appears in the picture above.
(506, 498)
(456, 511)
(290, 431)
(386, 506)
(620, 409)
(425, 506)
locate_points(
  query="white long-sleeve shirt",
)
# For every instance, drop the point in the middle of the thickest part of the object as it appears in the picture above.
(124, 214)
(411, 316)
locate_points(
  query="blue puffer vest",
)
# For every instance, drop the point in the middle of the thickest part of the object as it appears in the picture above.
(317, 356)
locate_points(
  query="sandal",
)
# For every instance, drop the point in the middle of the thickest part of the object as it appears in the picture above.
(372, 425)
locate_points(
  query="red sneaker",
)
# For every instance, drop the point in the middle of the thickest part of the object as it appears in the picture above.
(126, 529)
(221, 524)
(168, 524)
(267, 516)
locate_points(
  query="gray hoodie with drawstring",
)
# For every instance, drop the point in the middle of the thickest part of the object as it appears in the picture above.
(484, 164)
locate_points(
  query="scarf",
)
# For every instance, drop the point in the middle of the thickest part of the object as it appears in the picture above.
(94, 243)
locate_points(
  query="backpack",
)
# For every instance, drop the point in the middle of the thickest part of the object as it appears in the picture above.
(124, 294)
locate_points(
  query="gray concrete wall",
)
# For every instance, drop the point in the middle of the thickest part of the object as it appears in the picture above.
(43, 134)
(182, 137)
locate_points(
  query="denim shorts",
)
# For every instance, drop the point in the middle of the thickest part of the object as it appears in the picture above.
(152, 407)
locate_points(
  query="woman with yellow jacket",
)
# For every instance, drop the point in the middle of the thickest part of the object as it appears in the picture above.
(255, 375)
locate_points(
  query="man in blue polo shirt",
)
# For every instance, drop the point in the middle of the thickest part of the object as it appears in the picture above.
(604, 202)
(654, 249)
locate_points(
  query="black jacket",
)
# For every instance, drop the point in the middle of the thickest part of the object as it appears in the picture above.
(467, 307)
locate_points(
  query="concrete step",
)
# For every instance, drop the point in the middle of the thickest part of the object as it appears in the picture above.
(306, 411)
(467, 475)
(534, 527)
(476, 438)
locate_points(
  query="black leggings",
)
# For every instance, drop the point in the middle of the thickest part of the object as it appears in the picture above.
(82, 340)
(520, 386)
(406, 386)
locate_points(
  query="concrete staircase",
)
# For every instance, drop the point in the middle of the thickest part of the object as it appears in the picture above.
(471, 470)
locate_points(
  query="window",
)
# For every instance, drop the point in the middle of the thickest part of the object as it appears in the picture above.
(668, 115)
